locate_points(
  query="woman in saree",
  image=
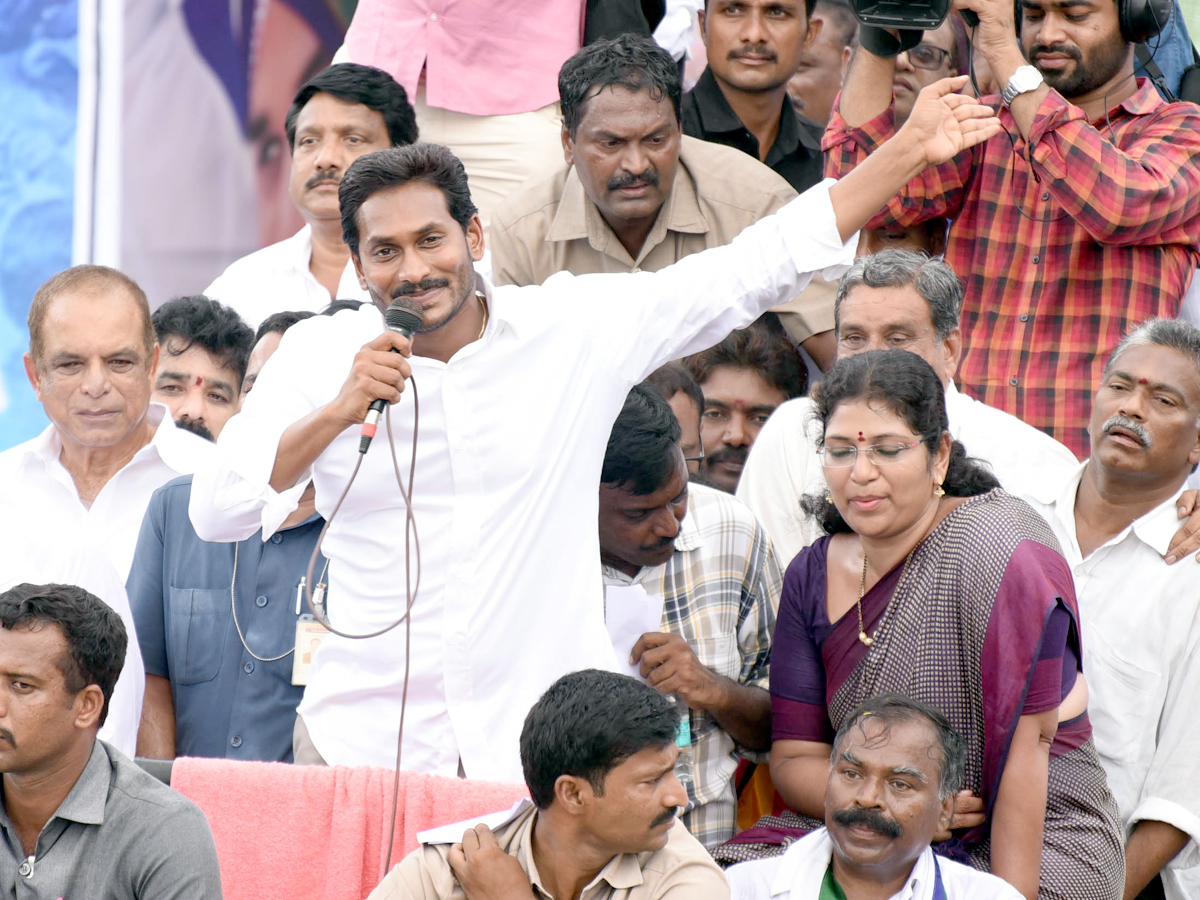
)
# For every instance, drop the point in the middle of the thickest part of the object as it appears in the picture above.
(934, 583)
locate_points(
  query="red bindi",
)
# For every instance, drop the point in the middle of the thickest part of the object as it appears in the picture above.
(1143, 381)
(198, 381)
(860, 436)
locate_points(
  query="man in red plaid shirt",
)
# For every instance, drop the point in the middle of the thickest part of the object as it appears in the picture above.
(1077, 222)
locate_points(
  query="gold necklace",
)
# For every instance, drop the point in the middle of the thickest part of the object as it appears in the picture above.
(865, 638)
(483, 327)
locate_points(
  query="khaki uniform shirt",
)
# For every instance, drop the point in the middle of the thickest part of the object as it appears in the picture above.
(682, 870)
(551, 225)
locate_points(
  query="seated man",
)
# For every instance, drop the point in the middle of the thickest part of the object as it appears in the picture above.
(1114, 517)
(894, 299)
(92, 359)
(203, 349)
(676, 385)
(339, 115)
(217, 623)
(744, 379)
(598, 751)
(895, 769)
(704, 557)
(635, 193)
(80, 819)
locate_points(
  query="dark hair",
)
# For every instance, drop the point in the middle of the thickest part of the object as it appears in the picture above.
(632, 61)
(809, 5)
(763, 346)
(588, 723)
(89, 279)
(354, 83)
(907, 385)
(96, 636)
(892, 708)
(643, 446)
(932, 278)
(216, 328)
(383, 169)
(336, 306)
(672, 379)
(278, 323)
(839, 16)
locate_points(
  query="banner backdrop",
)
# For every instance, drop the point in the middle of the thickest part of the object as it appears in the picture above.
(39, 79)
(147, 135)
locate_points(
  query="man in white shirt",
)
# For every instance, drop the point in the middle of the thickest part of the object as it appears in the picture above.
(340, 114)
(33, 550)
(895, 768)
(1114, 517)
(894, 299)
(505, 504)
(91, 361)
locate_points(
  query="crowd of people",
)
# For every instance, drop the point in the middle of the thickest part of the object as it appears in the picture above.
(795, 586)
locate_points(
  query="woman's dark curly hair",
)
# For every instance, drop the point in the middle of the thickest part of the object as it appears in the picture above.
(908, 386)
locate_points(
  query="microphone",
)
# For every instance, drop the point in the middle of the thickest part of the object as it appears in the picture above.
(402, 317)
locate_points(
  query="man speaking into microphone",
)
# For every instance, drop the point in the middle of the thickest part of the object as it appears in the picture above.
(517, 391)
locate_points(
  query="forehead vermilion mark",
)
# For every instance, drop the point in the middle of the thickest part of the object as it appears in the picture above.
(199, 381)
(860, 436)
(1143, 381)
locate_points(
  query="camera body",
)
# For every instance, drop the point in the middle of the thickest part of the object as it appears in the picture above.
(919, 15)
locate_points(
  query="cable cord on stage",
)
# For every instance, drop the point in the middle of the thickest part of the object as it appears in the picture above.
(412, 547)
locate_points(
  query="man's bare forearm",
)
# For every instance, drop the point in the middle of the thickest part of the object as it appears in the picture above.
(867, 91)
(1151, 846)
(745, 714)
(302, 443)
(156, 733)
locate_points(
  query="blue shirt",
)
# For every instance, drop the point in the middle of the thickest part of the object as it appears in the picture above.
(227, 703)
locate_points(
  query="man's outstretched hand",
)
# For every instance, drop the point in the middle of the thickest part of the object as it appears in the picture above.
(945, 123)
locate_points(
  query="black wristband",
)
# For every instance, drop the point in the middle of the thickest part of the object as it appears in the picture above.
(881, 43)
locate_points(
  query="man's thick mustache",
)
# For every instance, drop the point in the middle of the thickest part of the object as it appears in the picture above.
(629, 179)
(196, 428)
(409, 287)
(666, 816)
(868, 818)
(757, 50)
(322, 177)
(728, 455)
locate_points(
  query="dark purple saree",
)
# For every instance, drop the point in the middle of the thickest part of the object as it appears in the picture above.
(978, 624)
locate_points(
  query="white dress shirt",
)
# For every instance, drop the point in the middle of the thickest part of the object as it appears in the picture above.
(783, 464)
(39, 547)
(797, 875)
(278, 279)
(32, 471)
(1141, 655)
(512, 435)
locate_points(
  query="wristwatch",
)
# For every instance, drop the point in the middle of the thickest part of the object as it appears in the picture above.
(1024, 80)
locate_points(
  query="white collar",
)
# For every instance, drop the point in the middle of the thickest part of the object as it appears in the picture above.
(803, 867)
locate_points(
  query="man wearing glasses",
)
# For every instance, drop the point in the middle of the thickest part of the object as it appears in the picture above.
(692, 571)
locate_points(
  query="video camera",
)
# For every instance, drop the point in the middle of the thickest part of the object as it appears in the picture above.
(915, 15)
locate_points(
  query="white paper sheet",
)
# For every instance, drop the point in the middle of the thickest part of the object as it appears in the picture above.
(453, 833)
(630, 612)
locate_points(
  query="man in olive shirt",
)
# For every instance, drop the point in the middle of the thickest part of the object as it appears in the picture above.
(635, 193)
(79, 818)
(598, 751)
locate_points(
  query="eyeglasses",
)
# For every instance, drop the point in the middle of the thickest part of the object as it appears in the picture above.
(843, 457)
(700, 458)
(927, 56)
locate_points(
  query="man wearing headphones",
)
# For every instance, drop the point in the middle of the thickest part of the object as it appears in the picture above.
(1079, 220)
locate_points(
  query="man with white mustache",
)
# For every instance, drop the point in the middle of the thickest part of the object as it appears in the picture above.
(1141, 616)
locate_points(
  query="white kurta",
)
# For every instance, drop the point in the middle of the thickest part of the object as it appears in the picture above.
(512, 435)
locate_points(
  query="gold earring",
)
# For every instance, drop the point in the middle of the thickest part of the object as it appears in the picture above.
(828, 496)
(939, 491)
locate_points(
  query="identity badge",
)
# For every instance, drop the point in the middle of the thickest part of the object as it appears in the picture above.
(309, 634)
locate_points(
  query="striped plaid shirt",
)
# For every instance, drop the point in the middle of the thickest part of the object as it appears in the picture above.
(1065, 242)
(720, 592)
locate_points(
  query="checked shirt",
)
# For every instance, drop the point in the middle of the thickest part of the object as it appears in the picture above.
(1065, 242)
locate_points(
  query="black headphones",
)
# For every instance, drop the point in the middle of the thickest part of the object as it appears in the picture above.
(1140, 20)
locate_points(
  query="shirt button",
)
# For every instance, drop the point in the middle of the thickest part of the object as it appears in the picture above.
(248, 668)
(1024, 317)
(277, 538)
(1046, 196)
(25, 870)
(260, 602)
(235, 741)
(1036, 260)
(1014, 382)
(433, 17)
